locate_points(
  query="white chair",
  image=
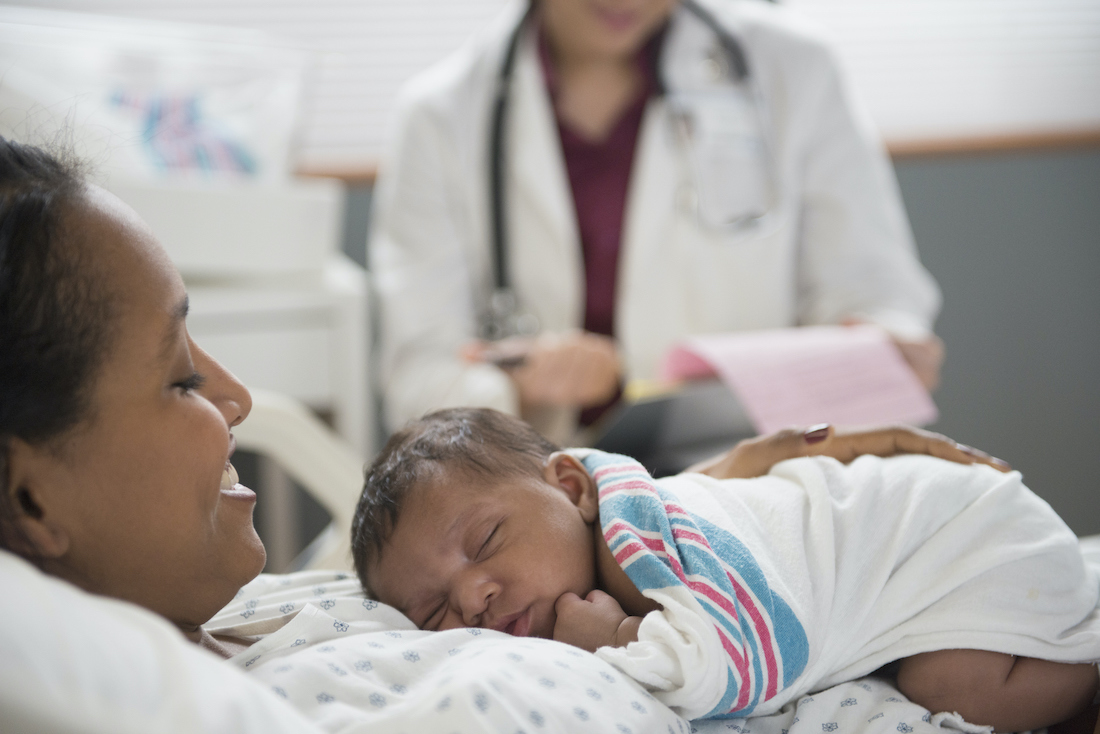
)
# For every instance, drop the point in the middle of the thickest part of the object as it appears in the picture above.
(284, 431)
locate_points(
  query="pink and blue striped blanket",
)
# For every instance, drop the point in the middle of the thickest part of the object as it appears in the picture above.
(821, 572)
(661, 544)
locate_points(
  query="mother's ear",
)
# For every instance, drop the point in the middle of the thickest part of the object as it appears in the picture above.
(31, 496)
(565, 472)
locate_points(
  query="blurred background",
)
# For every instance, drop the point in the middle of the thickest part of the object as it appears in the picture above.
(249, 133)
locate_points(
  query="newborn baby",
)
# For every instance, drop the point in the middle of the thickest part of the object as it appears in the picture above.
(733, 597)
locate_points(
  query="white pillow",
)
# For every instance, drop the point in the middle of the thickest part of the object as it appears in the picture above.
(75, 662)
(353, 664)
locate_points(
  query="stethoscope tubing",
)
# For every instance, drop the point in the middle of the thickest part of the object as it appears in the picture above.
(497, 201)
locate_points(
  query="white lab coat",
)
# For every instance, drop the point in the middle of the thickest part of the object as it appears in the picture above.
(837, 245)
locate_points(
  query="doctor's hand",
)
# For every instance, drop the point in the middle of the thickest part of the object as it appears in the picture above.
(574, 368)
(924, 355)
(754, 457)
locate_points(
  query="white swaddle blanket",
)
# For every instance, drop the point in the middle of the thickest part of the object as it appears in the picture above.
(861, 564)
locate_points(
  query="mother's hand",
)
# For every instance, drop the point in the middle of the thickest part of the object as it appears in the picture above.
(754, 457)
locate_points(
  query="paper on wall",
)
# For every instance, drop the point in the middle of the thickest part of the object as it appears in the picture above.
(845, 375)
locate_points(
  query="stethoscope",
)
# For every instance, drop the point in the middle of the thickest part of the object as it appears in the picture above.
(503, 316)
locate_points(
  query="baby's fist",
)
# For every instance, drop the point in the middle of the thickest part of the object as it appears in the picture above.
(592, 622)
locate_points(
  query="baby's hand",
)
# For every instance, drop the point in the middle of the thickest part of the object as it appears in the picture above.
(595, 621)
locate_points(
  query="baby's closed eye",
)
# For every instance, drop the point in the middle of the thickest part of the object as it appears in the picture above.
(484, 550)
(434, 617)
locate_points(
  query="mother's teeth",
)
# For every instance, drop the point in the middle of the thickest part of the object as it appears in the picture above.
(229, 477)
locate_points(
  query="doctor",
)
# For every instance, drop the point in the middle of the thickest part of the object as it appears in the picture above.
(597, 179)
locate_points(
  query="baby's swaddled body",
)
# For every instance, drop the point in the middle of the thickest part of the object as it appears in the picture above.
(822, 572)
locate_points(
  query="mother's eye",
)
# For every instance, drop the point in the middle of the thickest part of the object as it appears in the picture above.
(191, 383)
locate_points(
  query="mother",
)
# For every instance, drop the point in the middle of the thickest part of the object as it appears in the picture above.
(114, 467)
(115, 427)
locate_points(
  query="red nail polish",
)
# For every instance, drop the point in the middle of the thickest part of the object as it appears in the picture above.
(816, 434)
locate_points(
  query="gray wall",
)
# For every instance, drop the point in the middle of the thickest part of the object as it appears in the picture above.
(1014, 241)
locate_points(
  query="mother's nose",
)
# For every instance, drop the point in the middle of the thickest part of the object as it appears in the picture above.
(221, 387)
(476, 588)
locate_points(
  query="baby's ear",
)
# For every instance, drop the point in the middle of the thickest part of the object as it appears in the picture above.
(565, 472)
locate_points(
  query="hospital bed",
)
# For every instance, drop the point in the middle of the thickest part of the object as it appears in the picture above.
(73, 662)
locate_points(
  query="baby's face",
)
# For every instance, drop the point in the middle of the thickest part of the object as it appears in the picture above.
(494, 554)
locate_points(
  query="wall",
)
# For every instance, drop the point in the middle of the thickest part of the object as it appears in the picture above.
(927, 69)
(1014, 240)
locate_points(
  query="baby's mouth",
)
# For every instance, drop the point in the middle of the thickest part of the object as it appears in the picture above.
(521, 625)
(229, 477)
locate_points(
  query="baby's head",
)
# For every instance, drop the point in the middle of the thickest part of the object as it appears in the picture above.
(469, 518)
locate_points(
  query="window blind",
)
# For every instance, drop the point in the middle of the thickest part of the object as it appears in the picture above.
(926, 69)
(945, 69)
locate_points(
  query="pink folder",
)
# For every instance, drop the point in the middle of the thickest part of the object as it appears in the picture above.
(845, 375)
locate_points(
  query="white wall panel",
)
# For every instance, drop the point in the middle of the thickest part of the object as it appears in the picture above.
(932, 69)
(927, 68)
(365, 50)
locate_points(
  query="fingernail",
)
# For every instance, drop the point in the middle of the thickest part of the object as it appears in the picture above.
(816, 434)
(1000, 463)
(966, 449)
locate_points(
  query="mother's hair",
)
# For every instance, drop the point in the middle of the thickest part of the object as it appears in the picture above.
(54, 320)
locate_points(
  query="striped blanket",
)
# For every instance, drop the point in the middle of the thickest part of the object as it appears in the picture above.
(821, 572)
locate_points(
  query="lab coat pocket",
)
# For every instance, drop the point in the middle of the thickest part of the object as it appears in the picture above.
(736, 280)
(730, 185)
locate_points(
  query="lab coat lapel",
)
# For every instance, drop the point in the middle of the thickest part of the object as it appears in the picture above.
(653, 233)
(653, 184)
(657, 172)
(534, 145)
(648, 227)
(542, 216)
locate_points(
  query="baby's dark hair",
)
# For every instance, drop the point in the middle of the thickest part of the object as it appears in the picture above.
(470, 442)
(53, 317)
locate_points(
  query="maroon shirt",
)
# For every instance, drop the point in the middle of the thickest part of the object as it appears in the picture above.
(599, 176)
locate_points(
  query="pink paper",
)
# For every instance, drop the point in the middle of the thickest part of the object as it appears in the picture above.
(845, 375)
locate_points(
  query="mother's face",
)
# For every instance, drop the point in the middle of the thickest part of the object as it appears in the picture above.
(134, 503)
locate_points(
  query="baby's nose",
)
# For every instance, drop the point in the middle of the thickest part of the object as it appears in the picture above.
(474, 597)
